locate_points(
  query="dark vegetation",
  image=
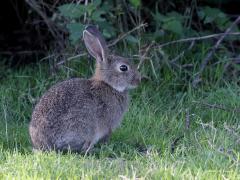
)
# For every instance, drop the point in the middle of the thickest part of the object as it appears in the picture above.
(51, 30)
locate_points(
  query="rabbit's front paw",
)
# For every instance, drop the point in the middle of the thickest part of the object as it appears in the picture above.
(87, 146)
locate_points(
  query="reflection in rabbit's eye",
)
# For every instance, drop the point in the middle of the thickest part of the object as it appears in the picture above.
(123, 67)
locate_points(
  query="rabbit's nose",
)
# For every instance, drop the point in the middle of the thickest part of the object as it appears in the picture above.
(137, 79)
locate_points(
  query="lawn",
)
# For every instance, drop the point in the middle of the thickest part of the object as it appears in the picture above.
(167, 133)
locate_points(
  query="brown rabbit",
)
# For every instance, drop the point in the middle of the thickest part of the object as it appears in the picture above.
(75, 114)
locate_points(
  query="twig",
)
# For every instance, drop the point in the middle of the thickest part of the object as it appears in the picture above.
(128, 12)
(231, 131)
(127, 33)
(208, 125)
(142, 58)
(20, 52)
(187, 124)
(71, 58)
(34, 5)
(85, 14)
(197, 79)
(182, 53)
(221, 107)
(195, 39)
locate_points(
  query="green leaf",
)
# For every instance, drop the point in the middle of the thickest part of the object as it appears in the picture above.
(237, 66)
(135, 3)
(108, 30)
(158, 17)
(96, 16)
(201, 14)
(208, 19)
(174, 26)
(131, 39)
(90, 8)
(213, 15)
(75, 31)
(175, 15)
(97, 2)
(107, 6)
(72, 10)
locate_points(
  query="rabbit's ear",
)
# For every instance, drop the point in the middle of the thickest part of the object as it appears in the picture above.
(95, 43)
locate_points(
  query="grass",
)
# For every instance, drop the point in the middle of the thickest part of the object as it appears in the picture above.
(141, 148)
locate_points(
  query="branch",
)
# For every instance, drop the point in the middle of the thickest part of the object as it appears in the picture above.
(35, 6)
(71, 58)
(85, 14)
(187, 120)
(231, 131)
(218, 106)
(197, 79)
(195, 39)
(20, 52)
(125, 34)
(143, 57)
(182, 53)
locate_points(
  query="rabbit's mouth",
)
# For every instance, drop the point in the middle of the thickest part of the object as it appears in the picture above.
(134, 83)
(119, 88)
(132, 86)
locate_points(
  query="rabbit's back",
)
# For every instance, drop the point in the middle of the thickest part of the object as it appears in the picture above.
(73, 110)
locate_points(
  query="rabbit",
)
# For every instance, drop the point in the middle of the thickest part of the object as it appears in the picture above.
(77, 113)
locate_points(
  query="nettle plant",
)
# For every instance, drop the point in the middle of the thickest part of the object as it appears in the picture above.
(105, 14)
(164, 24)
(79, 14)
(205, 20)
(109, 16)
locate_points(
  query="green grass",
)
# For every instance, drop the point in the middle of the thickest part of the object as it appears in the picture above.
(141, 147)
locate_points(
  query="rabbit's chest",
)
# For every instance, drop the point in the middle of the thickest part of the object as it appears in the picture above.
(113, 112)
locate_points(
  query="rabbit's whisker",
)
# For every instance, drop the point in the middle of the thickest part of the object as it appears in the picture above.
(105, 69)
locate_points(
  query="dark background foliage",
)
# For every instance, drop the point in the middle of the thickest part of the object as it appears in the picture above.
(32, 30)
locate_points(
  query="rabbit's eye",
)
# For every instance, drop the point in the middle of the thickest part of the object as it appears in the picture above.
(123, 68)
